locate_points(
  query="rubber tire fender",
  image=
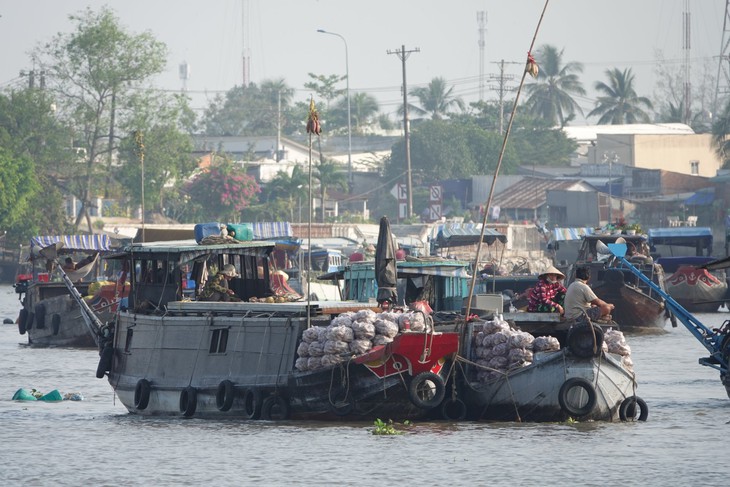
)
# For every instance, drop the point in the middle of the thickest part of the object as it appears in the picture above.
(418, 388)
(252, 403)
(40, 315)
(29, 321)
(56, 323)
(105, 362)
(188, 401)
(580, 340)
(22, 319)
(569, 385)
(142, 394)
(453, 409)
(224, 395)
(275, 407)
(627, 409)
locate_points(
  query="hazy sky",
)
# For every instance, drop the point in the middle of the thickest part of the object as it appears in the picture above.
(283, 43)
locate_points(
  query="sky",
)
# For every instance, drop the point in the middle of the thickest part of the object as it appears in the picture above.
(282, 41)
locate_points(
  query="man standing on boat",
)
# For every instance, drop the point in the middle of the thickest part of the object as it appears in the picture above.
(216, 289)
(548, 294)
(580, 300)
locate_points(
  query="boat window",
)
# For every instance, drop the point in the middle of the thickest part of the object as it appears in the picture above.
(219, 340)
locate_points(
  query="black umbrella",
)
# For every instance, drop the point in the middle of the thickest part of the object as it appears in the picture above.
(386, 272)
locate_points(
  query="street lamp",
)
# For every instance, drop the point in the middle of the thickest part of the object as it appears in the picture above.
(611, 159)
(349, 127)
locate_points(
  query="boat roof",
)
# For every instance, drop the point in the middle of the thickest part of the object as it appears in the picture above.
(190, 250)
(416, 267)
(718, 264)
(463, 234)
(561, 234)
(681, 236)
(96, 242)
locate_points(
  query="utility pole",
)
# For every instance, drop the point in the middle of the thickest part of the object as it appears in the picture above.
(501, 89)
(403, 56)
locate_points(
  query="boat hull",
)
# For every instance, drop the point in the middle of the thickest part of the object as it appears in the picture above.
(696, 290)
(634, 310)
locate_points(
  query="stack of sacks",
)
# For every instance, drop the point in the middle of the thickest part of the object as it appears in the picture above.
(498, 348)
(351, 334)
(615, 342)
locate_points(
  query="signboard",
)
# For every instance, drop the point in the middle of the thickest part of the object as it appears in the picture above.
(435, 194)
(434, 212)
(402, 210)
(400, 192)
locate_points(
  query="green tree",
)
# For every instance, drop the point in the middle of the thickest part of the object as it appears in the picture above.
(551, 95)
(436, 100)
(92, 72)
(619, 103)
(363, 110)
(221, 192)
(329, 175)
(721, 136)
(288, 188)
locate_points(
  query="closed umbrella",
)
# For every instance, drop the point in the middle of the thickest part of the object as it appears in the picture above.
(386, 272)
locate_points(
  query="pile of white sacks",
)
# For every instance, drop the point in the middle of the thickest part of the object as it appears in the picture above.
(354, 333)
(499, 349)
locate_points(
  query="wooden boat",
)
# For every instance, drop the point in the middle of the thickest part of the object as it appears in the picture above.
(696, 289)
(49, 315)
(638, 307)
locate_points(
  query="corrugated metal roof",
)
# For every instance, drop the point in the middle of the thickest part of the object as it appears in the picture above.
(531, 193)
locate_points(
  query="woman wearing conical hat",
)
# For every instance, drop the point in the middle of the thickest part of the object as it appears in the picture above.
(548, 294)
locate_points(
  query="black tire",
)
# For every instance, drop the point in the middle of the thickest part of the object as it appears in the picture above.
(566, 402)
(453, 409)
(188, 401)
(341, 403)
(56, 323)
(275, 407)
(225, 395)
(40, 316)
(627, 409)
(580, 340)
(252, 403)
(22, 319)
(29, 321)
(426, 390)
(105, 362)
(142, 394)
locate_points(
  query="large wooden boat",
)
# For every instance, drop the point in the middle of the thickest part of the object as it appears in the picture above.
(638, 307)
(49, 315)
(681, 251)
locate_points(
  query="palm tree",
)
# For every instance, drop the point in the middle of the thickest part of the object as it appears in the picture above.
(289, 188)
(435, 99)
(620, 104)
(551, 96)
(329, 175)
(720, 132)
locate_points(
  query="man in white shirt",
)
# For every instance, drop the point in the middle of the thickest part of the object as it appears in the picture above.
(580, 299)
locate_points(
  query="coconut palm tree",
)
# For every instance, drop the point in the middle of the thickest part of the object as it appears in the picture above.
(550, 97)
(329, 175)
(619, 103)
(720, 135)
(289, 188)
(435, 99)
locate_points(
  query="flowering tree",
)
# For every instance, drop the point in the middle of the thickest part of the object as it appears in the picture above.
(221, 192)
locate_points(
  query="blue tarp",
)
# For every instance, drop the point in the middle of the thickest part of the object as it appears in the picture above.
(74, 242)
(701, 198)
(681, 236)
(271, 230)
(571, 233)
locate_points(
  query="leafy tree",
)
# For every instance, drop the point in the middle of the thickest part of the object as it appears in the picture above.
(619, 103)
(363, 109)
(551, 95)
(93, 71)
(17, 188)
(436, 99)
(221, 191)
(325, 87)
(329, 175)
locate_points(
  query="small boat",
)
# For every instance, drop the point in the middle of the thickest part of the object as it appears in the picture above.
(696, 289)
(49, 315)
(639, 308)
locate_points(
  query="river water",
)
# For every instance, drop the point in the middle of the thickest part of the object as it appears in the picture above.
(96, 442)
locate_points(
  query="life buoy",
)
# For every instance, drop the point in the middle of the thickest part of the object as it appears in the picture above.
(29, 321)
(22, 318)
(453, 409)
(275, 407)
(105, 361)
(142, 394)
(627, 409)
(188, 401)
(224, 396)
(40, 316)
(427, 390)
(585, 340)
(580, 405)
(56, 323)
(252, 403)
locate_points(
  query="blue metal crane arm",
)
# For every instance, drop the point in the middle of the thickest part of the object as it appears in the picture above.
(710, 339)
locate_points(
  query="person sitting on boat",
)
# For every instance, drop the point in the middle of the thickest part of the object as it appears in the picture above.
(581, 301)
(548, 294)
(69, 265)
(216, 289)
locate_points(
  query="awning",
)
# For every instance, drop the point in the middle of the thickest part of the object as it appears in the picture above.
(717, 264)
(703, 197)
(681, 236)
(462, 234)
(74, 242)
(571, 233)
(271, 230)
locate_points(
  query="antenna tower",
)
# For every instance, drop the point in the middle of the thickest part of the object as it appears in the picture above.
(723, 66)
(482, 22)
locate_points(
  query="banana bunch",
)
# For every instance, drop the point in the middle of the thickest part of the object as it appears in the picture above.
(532, 69)
(313, 126)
